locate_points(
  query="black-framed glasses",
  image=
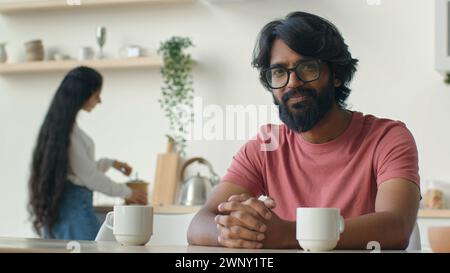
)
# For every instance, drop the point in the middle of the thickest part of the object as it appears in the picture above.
(277, 76)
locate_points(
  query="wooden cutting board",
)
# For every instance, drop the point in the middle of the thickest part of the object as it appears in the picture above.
(166, 176)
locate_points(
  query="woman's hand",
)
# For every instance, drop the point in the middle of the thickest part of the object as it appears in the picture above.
(138, 196)
(122, 167)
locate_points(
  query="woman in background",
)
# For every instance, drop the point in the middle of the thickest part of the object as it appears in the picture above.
(64, 172)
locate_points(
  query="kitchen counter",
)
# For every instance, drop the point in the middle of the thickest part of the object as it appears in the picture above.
(30, 245)
(434, 213)
(172, 209)
(102, 210)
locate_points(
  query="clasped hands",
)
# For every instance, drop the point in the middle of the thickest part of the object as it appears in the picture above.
(246, 222)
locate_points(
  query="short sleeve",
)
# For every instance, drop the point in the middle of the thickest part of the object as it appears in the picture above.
(397, 156)
(246, 168)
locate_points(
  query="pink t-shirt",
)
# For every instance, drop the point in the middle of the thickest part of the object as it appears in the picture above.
(343, 173)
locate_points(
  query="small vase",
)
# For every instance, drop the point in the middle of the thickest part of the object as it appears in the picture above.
(3, 54)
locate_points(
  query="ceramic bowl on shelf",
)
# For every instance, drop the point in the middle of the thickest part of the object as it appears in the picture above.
(34, 51)
(439, 239)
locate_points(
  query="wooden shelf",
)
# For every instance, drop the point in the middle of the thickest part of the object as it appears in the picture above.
(30, 6)
(53, 66)
(172, 209)
(434, 213)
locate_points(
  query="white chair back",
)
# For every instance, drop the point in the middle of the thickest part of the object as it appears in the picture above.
(170, 229)
(414, 240)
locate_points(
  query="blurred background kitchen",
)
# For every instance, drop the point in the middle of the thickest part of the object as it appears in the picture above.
(396, 42)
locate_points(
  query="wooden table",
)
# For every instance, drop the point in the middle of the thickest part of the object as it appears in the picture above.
(30, 245)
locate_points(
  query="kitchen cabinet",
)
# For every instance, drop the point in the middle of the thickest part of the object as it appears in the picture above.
(45, 5)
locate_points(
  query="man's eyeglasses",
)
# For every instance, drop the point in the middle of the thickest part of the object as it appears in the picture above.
(277, 76)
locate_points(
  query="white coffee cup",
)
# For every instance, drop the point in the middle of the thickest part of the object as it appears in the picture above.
(131, 224)
(319, 229)
(85, 53)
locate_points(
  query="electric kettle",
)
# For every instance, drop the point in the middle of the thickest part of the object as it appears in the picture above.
(196, 189)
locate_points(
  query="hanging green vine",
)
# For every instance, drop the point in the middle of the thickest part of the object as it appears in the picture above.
(447, 78)
(177, 91)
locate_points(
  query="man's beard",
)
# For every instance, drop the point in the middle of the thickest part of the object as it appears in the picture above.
(305, 114)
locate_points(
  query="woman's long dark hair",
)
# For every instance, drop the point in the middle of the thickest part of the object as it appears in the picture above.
(50, 156)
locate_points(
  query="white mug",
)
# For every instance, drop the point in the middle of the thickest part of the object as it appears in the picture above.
(319, 229)
(131, 224)
(85, 53)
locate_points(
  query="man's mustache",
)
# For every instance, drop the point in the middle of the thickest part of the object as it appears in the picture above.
(304, 92)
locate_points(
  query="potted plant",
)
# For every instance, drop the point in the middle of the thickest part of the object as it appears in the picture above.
(177, 91)
(447, 78)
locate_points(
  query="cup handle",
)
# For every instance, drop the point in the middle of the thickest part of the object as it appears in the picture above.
(108, 219)
(341, 224)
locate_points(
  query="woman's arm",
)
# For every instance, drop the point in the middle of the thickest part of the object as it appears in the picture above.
(104, 164)
(87, 174)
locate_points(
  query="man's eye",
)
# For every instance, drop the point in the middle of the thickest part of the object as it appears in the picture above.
(278, 72)
(309, 67)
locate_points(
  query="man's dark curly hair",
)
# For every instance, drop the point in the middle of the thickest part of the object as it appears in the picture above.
(310, 36)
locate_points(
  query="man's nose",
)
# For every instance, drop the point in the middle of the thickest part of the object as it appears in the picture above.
(294, 81)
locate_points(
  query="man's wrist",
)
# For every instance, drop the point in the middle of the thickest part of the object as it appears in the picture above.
(290, 237)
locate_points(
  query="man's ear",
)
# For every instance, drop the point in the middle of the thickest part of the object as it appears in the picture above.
(337, 82)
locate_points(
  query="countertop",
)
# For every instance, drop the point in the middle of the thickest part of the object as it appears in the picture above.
(434, 213)
(169, 209)
(32, 245)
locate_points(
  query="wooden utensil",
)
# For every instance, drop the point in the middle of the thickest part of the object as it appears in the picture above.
(166, 176)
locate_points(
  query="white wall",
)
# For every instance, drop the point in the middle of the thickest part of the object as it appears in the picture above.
(396, 79)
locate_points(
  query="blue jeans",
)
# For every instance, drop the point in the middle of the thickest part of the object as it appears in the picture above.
(76, 219)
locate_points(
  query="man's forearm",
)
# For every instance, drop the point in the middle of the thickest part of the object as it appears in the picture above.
(390, 230)
(386, 228)
(202, 230)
